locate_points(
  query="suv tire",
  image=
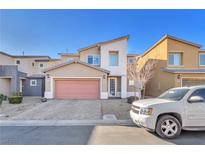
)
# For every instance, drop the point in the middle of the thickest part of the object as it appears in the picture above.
(168, 127)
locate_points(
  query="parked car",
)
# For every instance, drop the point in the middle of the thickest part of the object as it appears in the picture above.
(175, 110)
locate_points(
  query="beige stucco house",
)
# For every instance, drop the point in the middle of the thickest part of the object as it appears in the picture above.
(180, 63)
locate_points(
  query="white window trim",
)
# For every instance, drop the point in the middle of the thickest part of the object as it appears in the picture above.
(31, 83)
(93, 55)
(199, 58)
(173, 54)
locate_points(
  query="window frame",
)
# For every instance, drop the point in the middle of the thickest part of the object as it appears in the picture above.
(200, 60)
(175, 53)
(116, 53)
(41, 65)
(93, 57)
(17, 62)
(31, 83)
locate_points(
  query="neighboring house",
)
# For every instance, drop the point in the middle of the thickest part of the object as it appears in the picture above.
(98, 71)
(19, 74)
(180, 63)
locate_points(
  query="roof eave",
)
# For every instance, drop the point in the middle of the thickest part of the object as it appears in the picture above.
(74, 61)
(104, 42)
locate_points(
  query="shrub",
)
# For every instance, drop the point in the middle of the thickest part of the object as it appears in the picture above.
(1, 98)
(15, 99)
(131, 99)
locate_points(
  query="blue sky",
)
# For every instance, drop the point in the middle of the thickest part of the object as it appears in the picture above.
(48, 32)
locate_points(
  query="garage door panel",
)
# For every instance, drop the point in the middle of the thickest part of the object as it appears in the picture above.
(77, 89)
(193, 82)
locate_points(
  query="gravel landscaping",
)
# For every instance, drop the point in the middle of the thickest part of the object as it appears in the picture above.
(33, 109)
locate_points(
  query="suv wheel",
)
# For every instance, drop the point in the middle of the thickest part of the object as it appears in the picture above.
(168, 127)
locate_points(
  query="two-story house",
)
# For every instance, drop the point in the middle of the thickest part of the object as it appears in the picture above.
(179, 63)
(98, 71)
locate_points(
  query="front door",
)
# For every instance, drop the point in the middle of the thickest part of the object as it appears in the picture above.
(112, 87)
(195, 111)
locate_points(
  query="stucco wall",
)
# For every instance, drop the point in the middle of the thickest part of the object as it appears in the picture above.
(65, 58)
(121, 47)
(190, 54)
(76, 70)
(91, 51)
(5, 86)
(27, 67)
(6, 60)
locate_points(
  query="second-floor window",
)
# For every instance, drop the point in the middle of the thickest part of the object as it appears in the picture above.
(175, 59)
(202, 59)
(113, 58)
(17, 61)
(41, 65)
(93, 59)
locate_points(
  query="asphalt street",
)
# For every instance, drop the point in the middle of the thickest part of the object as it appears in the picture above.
(90, 134)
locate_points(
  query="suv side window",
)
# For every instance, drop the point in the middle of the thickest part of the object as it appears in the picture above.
(200, 93)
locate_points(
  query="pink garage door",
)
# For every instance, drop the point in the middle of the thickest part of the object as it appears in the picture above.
(77, 89)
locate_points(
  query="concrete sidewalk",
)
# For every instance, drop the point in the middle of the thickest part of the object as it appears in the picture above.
(63, 122)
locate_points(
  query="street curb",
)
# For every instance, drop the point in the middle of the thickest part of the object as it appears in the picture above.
(63, 122)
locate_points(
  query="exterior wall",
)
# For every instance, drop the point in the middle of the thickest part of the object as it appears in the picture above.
(33, 90)
(5, 85)
(65, 58)
(121, 47)
(26, 65)
(92, 51)
(6, 60)
(159, 52)
(75, 71)
(188, 52)
(12, 72)
(161, 82)
(157, 85)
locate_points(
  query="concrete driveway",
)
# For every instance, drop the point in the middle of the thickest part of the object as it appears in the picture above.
(34, 109)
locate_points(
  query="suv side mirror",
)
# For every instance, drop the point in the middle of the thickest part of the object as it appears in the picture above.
(194, 99)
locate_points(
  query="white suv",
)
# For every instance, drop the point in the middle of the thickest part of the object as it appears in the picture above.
(176, 109)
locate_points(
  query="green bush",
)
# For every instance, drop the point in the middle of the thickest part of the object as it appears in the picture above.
(2, 98)
(15, 99)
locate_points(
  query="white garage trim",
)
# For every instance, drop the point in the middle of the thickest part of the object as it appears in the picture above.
(103, 95)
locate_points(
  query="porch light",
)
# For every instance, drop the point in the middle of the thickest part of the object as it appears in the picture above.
(178, 76)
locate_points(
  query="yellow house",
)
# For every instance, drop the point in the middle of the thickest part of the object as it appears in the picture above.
(180, 63)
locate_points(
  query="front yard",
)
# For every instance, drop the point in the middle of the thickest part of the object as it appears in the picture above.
(34, 109)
